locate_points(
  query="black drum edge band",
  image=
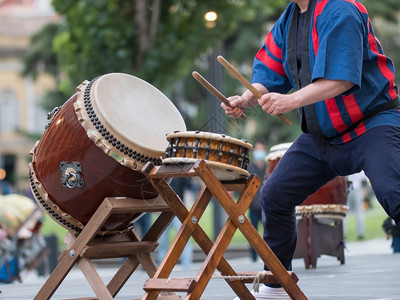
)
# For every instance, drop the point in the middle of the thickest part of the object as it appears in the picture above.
(46, 207)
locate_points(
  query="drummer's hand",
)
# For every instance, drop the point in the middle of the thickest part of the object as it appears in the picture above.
(275, 103)
(238, 104)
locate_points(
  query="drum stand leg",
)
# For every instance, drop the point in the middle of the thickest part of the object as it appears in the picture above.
(88, 245)
(214, 251)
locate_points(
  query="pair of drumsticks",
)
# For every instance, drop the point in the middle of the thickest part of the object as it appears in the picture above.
(239, 77)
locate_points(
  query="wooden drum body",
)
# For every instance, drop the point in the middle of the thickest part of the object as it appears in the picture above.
(226, 156)
(95, 146)
(329, 200)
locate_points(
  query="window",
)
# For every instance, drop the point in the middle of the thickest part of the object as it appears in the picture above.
(9, 111)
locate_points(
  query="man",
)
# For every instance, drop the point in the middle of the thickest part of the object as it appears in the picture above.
(344, 88)
(258, 167)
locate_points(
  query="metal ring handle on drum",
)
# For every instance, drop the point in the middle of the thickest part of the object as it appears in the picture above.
(71, 183)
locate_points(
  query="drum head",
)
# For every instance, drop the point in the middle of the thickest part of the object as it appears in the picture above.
(137, 111)
(277, 151)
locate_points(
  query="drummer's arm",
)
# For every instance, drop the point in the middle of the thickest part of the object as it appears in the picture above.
(239, 103)
(251, 98)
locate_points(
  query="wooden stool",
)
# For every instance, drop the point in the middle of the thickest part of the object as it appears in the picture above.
(214, 251)
(88, 245)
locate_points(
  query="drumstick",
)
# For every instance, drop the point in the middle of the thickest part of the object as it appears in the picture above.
(214, 91)
(247, 84)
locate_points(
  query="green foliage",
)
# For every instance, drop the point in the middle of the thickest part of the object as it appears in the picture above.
(387, 9)
(41, 56)
(104, 36)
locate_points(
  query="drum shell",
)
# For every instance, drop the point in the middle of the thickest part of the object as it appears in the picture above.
(65, 140)
(333, 192)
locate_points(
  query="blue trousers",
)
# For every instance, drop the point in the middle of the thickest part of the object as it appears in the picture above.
(310, 163)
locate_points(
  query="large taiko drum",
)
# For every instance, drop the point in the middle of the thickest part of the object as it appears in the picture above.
(228, 157)
(95, 146)
(330, 199)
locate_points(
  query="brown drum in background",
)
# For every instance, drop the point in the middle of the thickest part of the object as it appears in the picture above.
(95, 146)
(333, 192)
(228, 157)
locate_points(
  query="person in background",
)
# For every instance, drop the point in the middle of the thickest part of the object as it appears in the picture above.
(355, 200)
(258, 167)
(390, 228)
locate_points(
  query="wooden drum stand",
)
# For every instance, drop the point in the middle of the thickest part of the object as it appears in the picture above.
(88, 245)
(214, 251)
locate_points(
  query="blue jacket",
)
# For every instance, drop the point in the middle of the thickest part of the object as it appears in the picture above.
(341, 45)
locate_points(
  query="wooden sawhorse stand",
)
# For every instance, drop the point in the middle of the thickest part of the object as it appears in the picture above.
(214, 251)
(88, 245)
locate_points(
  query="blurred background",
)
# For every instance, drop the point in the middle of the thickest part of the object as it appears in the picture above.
(47, 48)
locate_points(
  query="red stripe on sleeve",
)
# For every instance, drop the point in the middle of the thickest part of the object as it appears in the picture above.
(275, 50)
(382, 59)
(382, 64)
(317, 11)
(270, 63)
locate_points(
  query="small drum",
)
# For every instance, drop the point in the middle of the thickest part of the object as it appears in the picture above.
(226, 156)
(95, 146)
(323, 211)
(330, 199)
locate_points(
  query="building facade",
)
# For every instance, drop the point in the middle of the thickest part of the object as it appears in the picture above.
(21, 115)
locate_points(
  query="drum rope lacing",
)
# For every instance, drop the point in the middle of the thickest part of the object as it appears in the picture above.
(241, 157)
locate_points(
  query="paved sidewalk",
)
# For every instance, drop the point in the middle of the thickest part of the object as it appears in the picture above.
(370, 271)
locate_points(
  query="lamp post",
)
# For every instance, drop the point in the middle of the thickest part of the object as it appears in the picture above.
(216, 120)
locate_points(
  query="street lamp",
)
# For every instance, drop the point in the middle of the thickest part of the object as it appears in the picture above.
(215, 122)
(211, 17)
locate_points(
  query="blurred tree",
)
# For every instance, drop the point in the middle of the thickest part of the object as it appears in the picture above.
(41, 57)
(387, 9)
(158, 41)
